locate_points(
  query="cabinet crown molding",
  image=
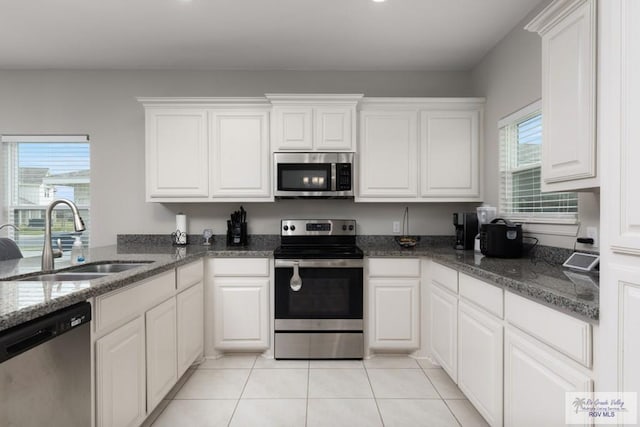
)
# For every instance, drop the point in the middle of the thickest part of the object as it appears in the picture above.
(426, 102)
(314, 98)
(203, 102)
(554, 13)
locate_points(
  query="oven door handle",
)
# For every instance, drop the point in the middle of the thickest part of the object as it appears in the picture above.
(296, 282)
(320, 263)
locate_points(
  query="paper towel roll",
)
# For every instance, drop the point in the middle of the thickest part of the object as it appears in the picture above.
(181, 229)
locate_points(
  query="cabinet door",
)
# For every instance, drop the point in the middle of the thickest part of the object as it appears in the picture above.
(450, 145)
(444, 329)
(176, 155)
(240, 145)
(120, 376)
(568, 100)
(334, 129)
(480, 361)
(190, 326)
(388, 154)
(394, 313)
(241, 312)
(161, 351)
(292, 128)
(535, 383)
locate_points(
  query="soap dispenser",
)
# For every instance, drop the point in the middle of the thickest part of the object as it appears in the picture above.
(77, 252)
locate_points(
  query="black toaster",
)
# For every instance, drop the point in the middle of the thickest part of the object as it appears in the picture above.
(501, 238)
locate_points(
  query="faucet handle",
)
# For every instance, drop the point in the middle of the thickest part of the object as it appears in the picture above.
(57, 253)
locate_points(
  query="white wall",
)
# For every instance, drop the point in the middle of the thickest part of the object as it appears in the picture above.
(509, 76)
(102, 104)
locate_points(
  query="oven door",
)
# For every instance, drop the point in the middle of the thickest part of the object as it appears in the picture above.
(327, 296)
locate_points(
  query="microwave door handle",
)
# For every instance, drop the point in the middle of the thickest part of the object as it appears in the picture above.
(334, 185)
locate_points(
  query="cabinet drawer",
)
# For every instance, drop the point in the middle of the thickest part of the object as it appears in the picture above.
(562, 332)
(123, 304)
(394, 267)
(240, 266)
(189, 274)
(483, 294)
(444, 276)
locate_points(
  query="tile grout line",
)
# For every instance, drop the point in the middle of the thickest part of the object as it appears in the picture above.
(375, 399)
(242, 391)
(422, 368)
(306, 412)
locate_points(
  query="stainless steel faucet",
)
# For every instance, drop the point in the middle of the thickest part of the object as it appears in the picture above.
(48, 254)
(9, 225)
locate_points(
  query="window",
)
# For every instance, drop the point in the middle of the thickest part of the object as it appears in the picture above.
(37, 170)
(520, 165)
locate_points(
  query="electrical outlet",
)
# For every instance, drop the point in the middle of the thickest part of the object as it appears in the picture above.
(396, 227)
(592, 232)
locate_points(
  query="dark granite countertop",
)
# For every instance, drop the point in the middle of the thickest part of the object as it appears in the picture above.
(21, 301)
(541, 279)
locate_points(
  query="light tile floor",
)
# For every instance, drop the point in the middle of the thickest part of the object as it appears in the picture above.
(248, 390)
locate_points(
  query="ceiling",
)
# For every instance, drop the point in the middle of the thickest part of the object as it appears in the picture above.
(254, 34)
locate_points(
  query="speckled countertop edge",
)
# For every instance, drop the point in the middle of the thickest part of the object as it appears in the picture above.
(166, 257)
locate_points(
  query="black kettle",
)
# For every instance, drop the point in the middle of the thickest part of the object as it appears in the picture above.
(501, 238)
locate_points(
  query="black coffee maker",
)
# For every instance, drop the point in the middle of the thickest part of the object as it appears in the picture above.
(466, 224)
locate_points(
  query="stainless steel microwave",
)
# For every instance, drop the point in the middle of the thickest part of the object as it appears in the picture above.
(323, 175)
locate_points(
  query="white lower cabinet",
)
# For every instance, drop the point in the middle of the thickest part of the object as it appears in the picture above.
(241, 314)
(444, 329)
(161, 351)
(146, 337)
(120, 376)
(535, 383)
(395, 315)
(190, 312)
(393, 295)
(240, 306)
(480, 374)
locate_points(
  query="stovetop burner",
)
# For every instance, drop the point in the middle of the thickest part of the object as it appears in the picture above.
(318, 239)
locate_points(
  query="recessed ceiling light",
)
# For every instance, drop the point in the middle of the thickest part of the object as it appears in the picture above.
(379, 1)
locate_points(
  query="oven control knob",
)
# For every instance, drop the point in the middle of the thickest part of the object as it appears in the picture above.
(344, 228)
(351, 228)
(286, 227)
(293, 228)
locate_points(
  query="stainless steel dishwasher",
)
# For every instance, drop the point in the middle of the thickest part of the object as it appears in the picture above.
(45, 370)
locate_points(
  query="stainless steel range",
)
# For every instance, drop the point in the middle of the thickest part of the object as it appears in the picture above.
(318, 291)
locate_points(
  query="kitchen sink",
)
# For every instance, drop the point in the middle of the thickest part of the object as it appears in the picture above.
(61, 277)
(82, 272)
(106, 267)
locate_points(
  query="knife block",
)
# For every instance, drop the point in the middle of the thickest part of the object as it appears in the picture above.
(236, 234)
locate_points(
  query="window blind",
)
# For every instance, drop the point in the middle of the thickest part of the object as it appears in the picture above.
(38, 170)
(520, 169)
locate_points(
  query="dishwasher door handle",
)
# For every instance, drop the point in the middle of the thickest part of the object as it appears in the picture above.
(26, 343)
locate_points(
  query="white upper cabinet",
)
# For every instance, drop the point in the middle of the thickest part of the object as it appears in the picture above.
(240, 154)
(388, 154)
(569, 152)
(420, 149)
(450, 153)
(207, 149)
(313, 122)
(176, 153)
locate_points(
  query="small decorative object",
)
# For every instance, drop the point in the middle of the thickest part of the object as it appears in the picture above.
(405, 240)
(179, 237)
(207, 236)
(237, 228)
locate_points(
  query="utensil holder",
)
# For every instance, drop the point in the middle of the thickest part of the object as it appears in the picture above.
(236, 234)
